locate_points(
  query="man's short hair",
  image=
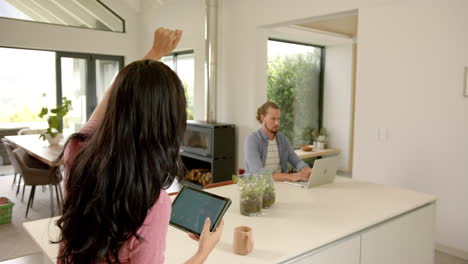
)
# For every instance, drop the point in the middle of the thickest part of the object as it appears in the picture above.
(262, 110)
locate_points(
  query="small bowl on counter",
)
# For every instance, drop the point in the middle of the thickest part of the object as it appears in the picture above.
(307, 147)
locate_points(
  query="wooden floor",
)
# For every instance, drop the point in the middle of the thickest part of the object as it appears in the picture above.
(15, 242)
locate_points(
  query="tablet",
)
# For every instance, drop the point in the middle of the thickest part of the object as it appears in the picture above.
(192, 206)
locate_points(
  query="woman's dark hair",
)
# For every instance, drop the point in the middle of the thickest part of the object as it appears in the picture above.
(119, 172)
(262, 110)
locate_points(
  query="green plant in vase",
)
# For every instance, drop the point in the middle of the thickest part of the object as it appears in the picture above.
(54, 115)
(320, 137)
(251, 188)
(308, 135)
(269, 195)
(315, 134)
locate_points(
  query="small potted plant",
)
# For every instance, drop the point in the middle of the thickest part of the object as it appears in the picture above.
(269, 195)
(52, 133)
(320, 137)
(307, 139)
(251, 188)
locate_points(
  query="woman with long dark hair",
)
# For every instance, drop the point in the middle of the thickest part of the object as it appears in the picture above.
(118, 165)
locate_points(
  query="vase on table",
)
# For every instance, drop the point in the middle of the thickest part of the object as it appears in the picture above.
(54, 140)
(251, 187)
(269, 195)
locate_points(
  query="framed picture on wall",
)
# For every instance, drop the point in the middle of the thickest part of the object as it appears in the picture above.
(465, 86)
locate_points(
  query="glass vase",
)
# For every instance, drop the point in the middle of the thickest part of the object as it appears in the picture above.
(269, 195)
(251, 188)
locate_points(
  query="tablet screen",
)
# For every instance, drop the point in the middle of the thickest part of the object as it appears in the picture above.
(192, 206)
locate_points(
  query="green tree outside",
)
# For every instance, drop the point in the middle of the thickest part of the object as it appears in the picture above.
(293, 83)
(24, 115)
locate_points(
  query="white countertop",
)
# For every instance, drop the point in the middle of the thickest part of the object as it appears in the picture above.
(301, 220)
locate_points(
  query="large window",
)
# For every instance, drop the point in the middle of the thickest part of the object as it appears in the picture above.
(27, 83)
(183, 64)
(32, 79)
(83, 78)
(295, 83)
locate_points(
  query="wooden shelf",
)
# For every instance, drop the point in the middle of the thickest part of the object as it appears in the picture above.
(316, 153)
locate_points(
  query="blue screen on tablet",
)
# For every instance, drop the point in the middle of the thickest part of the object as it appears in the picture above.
(192, 207)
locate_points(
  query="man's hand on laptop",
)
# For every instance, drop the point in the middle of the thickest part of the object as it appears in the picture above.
(300, 176)
(306, 171)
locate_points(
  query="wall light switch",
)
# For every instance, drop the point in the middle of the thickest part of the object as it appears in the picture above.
(382, 134)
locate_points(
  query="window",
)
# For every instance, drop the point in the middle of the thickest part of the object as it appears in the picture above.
(32, 79)
(295, 83)
(79, 13)
(183, 64)
(27, 83)
(83, 78)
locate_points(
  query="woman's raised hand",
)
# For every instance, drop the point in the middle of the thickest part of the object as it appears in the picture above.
(164, 42)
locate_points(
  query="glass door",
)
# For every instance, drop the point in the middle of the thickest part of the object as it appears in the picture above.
(83, 78)
(107, 68)
(73, 83)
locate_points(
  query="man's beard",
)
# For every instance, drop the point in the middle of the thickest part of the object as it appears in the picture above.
(271, 131)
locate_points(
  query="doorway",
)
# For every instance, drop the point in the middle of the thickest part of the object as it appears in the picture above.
(338, 35)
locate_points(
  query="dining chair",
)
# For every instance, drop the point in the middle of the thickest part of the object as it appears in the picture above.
(9, 148)
(31, 131)
(37, 173)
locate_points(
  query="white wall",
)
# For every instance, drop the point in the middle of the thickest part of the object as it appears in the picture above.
(30, 35)
(187, 15)
(411, 56)
(245, 29)
(337, 99)
(410, 63)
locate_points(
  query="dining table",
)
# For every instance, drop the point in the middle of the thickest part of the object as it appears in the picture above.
(38, 148)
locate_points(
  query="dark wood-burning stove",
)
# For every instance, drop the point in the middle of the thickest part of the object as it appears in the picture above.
(208, 152)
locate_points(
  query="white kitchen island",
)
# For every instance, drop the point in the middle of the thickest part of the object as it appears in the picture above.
(347, 222)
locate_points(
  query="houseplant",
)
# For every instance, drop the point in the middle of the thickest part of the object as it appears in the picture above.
(307, 136)
(251, 188)
(54, 115)
(269, 195)
(320, 137)
(257, 191)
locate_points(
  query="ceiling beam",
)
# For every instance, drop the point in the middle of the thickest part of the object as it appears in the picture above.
(75, 10)
(42, 11)
(58, 12)
(26, 10)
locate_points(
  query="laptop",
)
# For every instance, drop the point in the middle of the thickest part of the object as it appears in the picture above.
(323, 172)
